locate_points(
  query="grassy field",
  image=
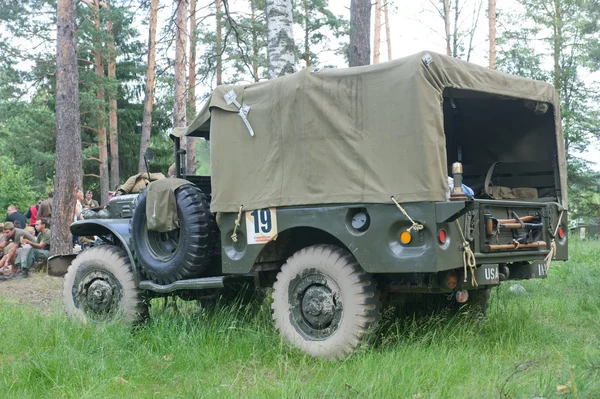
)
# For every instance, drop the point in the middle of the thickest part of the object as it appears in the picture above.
(542, 344)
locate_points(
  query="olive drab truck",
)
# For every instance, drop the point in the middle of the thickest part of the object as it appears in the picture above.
(423, 180)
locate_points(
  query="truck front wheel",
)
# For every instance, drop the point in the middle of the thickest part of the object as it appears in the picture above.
(324, 303)
(100, 287)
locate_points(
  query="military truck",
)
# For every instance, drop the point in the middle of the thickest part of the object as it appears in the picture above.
(332, 187)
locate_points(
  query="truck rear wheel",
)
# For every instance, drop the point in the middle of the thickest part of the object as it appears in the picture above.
(178, 254)
(324, 303)
(100, 287)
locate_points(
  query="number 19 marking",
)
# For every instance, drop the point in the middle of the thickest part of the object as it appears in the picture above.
(261, 225)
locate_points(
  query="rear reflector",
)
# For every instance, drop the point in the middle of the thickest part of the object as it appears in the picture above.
(561, 233)
(405, 237)
(442, 236)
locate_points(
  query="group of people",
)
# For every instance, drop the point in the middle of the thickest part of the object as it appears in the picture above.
(24, 245)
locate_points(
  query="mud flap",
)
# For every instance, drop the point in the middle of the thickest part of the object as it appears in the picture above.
(485, 275)
(525, 271)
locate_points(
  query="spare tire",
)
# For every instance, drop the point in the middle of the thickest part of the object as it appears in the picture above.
(177, 254)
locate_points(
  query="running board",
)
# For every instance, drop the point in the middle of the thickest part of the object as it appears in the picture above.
(191, 284)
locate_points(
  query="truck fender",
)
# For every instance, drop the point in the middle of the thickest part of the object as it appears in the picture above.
(119, 228)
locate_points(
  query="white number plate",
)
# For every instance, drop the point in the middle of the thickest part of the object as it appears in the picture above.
(261, 225)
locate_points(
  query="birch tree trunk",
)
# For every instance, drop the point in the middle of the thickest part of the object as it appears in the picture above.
(388, 37)
(359, 49)
(254, 42)
(280, 36)
(101, 110)
(149, 90)
(306, 34)
(68, 135)
(219, 43)
(191, 141)
(112, 105)
(179, 112)
(492, 24)
(557, 39)
(447, 26)
(377, 32)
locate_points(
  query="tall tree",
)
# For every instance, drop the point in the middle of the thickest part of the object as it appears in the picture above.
(281, 48)
(318, 25)
(100, 105)
(459, 26)
(359, 49)
(492, 32)
(377, 32)
(149, 89)
(179, 114)
(112, 102)
(68, 135)
(388, 37)
(191, 141)
(219, 41)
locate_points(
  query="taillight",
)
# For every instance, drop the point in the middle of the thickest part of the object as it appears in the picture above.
(451, 279)
(442, 236)
(561, 233)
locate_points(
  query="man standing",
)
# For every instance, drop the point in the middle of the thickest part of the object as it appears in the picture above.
(32, 213)
(89, 202)
(45, 210)
(18, 219)
(39, 251)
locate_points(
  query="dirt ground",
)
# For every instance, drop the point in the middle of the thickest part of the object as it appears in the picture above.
(39, 290)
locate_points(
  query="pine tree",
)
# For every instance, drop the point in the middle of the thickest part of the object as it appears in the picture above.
(68, 139)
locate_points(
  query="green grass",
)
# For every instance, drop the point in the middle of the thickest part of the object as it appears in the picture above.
(525, 348)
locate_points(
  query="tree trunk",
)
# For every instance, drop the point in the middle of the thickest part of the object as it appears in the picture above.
(492, 23)
(306, 34)
(447, 26)
(191, 141)
(149, 90)
(179, 112)
(280, 48)
(557, 45)
(219, 43)
(377, 32)
(388, 37)
(254, 42)
(455, 34)
(101, 109)
(359, 49)
(68, 135)
(112, 106)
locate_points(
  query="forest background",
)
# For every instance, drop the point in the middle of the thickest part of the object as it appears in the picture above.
(556, 41)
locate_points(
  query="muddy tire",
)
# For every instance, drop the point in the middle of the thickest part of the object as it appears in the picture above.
(324, 303)
(100, 287)
(179, 254)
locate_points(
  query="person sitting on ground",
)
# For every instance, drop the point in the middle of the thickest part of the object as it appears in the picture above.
(89, 201)
(15, 216)
(39, 251)
(14, 234)
(45, 210)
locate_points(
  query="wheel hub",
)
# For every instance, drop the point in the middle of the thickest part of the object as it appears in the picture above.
(318, 306)
(99, 296)
(315, 305)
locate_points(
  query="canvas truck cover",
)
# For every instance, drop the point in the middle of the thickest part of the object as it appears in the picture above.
(351, 135)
